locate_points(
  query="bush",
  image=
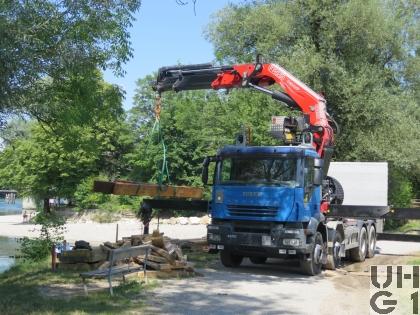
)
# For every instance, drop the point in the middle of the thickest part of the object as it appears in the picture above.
(400, 189)
(52, 229)
(35, 249)
(400, 195)
(85, 198)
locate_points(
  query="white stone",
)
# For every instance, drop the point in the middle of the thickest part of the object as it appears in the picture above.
(194, 220)
(205, 220)
(182, 220)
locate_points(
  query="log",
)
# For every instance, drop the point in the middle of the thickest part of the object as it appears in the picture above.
(163, 253)
(154, 265)
(158, 274)
(144, 189)
(83, 255)
(179, 265)
(154, 258)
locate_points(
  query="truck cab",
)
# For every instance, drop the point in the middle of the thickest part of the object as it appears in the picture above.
(263, 200)
(266, 203)
(266, 184)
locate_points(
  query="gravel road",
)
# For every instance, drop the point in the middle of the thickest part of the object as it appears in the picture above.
(276, 288)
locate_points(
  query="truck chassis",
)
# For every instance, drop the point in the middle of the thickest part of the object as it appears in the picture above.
(352, 238)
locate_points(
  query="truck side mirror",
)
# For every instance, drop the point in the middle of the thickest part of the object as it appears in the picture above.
(318, 171)
(205, 171)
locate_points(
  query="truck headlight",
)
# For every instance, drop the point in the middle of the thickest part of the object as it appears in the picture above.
(291, 241)
(214, 237)
(219, 196)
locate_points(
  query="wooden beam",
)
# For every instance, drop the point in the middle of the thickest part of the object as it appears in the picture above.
(143, 189)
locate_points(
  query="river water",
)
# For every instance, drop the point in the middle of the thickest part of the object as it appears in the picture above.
(8, 246)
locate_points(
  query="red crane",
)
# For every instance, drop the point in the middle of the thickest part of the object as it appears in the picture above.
(258, 76)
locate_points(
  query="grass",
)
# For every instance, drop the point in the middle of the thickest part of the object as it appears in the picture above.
(201, 259)
(20, 293)
(410, 225)
(414, 262)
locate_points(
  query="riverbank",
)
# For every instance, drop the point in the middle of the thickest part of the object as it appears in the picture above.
(96, 233)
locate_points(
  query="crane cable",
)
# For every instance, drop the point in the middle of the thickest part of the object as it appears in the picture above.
(164, 171)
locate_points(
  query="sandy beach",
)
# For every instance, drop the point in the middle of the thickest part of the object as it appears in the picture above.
(95, 233)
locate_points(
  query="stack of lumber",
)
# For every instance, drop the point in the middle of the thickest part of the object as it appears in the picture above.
(165, 256)
(82, 259)
(164, 261)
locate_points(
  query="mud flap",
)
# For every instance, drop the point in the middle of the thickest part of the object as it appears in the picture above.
(324, 256)
(342, 252)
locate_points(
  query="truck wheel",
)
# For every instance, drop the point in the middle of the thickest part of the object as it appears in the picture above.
(371, 242)
(334, 259)
(258, 260)
(313, 266)
(335, 191)
(358, 254)
(229, 259)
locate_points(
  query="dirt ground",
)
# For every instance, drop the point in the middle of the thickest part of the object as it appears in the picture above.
(277, 287)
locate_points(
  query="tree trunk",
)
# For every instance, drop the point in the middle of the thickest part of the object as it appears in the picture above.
(47, 208)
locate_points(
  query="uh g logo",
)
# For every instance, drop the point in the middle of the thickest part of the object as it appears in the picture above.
(384, 289)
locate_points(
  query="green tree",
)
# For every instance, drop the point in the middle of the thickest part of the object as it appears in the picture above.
(85, 138)
(194, 124)
(52, 40)
(362, 55)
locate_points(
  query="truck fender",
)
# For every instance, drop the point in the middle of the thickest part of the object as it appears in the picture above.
(312, 226)
(335, 227)
(316, 226)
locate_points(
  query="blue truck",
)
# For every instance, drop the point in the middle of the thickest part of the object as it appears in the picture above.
(275, 201)
(266, 203)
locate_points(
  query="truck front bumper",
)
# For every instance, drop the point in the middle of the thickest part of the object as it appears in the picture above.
(276, 240)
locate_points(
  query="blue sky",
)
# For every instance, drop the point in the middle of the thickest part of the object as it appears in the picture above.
(165, 34)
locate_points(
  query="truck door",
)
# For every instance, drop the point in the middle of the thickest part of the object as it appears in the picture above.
(310, 202)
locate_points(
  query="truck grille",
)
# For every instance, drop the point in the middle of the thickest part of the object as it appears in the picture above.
(252, 211)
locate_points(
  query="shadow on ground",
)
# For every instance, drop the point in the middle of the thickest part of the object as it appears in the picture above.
(249, 289)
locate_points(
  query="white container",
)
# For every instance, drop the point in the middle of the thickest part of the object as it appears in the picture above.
(364, 183)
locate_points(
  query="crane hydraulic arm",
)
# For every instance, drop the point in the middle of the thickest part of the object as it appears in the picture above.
(297, 95)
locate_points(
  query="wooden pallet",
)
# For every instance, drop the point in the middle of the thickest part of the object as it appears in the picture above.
(144, 189)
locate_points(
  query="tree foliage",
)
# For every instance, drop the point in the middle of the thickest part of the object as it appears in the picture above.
(51, 160)
(52, 40)
(194, 124)
(363, 55)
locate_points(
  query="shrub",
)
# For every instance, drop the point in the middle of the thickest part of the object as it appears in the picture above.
(35, 249)
(52, 230)
(85, 198)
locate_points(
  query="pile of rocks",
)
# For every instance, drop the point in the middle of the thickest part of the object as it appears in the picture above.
(204, 220)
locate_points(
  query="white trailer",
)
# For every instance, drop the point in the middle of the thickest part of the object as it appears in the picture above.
(364, 184)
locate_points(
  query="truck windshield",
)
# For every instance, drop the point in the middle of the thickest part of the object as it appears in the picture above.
(265, 171)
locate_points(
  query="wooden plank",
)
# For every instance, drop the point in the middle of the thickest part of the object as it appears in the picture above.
(158, 274)
(154, 258)
(154, 265)
(144, 189)
(163, 253)
(83, 255)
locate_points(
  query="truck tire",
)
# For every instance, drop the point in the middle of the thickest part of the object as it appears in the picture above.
(358, 254)
(258, 260)
(229, 259)
(334, 259)
(335, 191)
(371, 242)
(313, 265)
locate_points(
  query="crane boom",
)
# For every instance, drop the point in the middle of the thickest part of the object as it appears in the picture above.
(257, 76)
